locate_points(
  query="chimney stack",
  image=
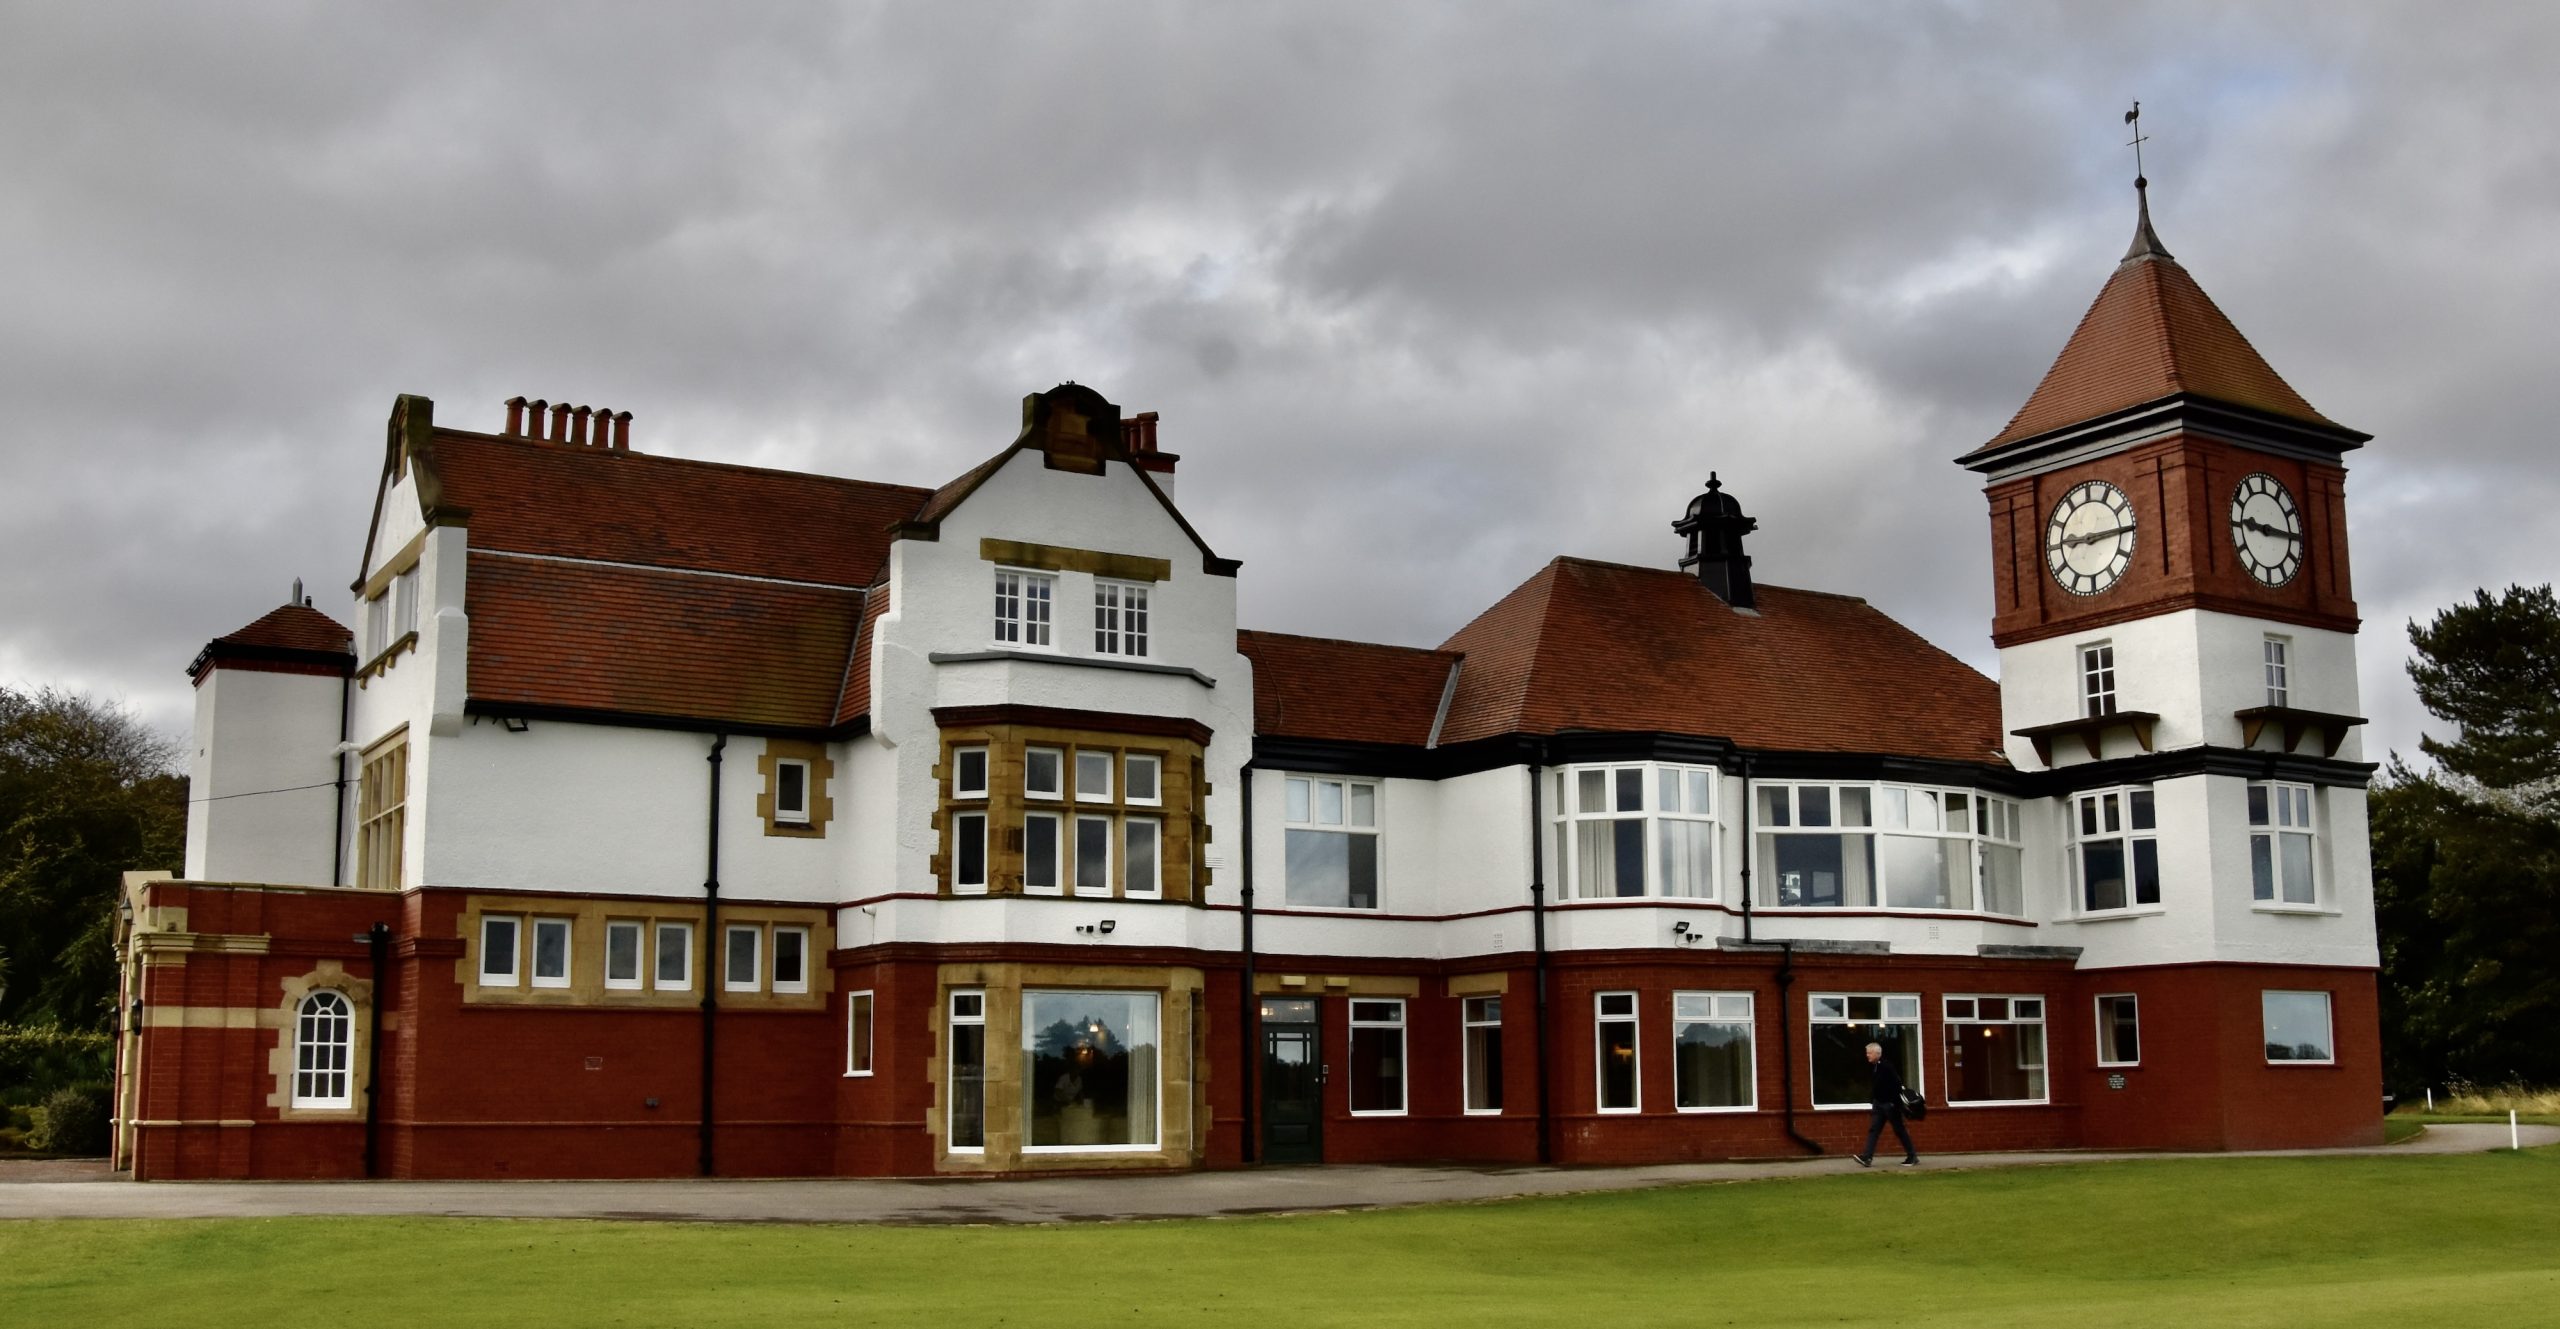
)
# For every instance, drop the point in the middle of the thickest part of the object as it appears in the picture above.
(579, 426)
(1715, 526)
(1138, 437)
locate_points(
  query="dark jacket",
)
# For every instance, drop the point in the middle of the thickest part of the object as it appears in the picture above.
(1885, 1091)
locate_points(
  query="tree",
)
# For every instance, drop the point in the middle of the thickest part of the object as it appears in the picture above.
(87, 792)
(2466, 857)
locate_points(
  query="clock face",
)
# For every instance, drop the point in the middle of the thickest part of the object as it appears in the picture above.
(2267, 529)
(2089, 542)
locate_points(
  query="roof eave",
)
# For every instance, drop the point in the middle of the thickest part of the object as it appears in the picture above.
(2320, 437)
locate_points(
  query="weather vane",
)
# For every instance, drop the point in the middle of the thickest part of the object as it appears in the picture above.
(2134, 118)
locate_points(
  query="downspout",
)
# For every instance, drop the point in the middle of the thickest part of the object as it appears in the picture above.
(378, 942)
(1248, 1025)
(1787, 1043)
(710, 948)
(1748, 848)
(1538, 940)
(338, 841)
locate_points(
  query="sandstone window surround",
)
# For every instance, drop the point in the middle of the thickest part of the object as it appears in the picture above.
(1071, 804)
(1012, 1092)
(589, 951)
(382, 799)
(793, 801)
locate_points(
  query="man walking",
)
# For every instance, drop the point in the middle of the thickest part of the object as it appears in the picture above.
(1884, 1104)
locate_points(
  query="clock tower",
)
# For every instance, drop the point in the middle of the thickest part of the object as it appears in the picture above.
(2176, 627)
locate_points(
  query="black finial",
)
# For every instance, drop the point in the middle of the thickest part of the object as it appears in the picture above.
(2146, 242)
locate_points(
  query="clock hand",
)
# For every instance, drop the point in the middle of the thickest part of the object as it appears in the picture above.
(2094, 536)
(2253, 524)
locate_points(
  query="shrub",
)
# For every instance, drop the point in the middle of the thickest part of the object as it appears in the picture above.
(35, 1060)
(72, 1120)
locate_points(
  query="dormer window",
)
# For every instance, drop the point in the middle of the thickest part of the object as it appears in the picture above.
(1119, 618)
(1023, 601)
(2098, 680)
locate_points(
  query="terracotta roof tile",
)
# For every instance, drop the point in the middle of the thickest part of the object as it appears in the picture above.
(855, 700)
(669, 644)
(1344, 691)
(2152, 333)
(1603, 646)
(293, 628)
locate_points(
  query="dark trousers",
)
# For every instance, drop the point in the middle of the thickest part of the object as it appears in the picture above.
(1876, 1119)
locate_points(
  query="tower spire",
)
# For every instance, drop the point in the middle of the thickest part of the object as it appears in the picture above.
(2146, 242)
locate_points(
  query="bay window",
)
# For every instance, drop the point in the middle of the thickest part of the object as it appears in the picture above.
(1858, 846)
(1924, 844)
(1995, 1049)
(2280, 844)
(1817, 846)
(1330, 844)
(1090, 1073)
(1711, 1061)
(1841, 1025)
(1377, 1057)
(2115, 851)
(1635, 830)
(2004, 855)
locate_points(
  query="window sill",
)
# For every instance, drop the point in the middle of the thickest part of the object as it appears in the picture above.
(2119, 1065)
(2298, 910)
(857, 1075)
(1053, 1150)
(1998, 1103)
(1480, 1112)
(2116, 915)
(1717, 1111)
(382, 662)
(1637, 1111)
(1378, 1112)
(2330, 1064)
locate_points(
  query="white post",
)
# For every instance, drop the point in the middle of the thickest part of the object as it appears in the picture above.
(2431, 1100)
(2514, 1141)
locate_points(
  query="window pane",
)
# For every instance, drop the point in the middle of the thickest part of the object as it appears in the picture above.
(1332, 869)
(2140, 801)
(1959, 813)
(1711, 1064)
(1919, 872)
(1364, 805)
(1773, 807)
(2257, 805)
(1142, 876)
(2004, 879)
(1591, 791)
(2297, 868)
(1089, 1069)
(1683, 861)
(1840, 1074)
(858, 1033)
(1377, 1069)
(675, 955)
(1630, 784)
(1299, 796)
(968, 1086)
(1893, 807)
(741, 968)
(622, 953)
(1042, 769)
(1924, 811)
(1818, 871)
(1617, 1051)
(1667, 789)
(1484, 1054)
(1854, 804)
(2262, 867)
(550, 949)
(1701, 792)
(972, 777)
(2297, 1025)
(1093, 855)
(969, 838)
(1364, 871)
(1814, 801)
(1040, 853)
(2102, 874)
(792, 793)
(2146, 872)
(2119, 1030)
(498, 949)
(1093, 777)
(1994, 1063)
(1328, 802)
(1142, 773)
(790, 957)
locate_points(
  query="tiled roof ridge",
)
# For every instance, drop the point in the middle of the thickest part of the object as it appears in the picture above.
(634, 455)
(1583, 561)
(270, 628)
(1351, 641)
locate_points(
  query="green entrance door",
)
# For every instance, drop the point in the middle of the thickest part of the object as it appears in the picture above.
(1292, 1082)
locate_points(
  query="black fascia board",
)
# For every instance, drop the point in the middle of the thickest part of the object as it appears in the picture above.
(2240, 763)
(691, 724)
(1576, 747)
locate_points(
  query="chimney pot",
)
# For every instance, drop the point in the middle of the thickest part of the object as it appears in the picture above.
(622, 431)
(515, 416)
(538, 409)
(578, 425)
(560, 423)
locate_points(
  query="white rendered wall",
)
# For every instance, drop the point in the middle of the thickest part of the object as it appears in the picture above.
(260, 739)
(2194, 668)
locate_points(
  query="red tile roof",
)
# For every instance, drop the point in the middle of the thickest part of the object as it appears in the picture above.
(855, 700)
(676, 645)
(293, 628)
(1344, 691)
(2152, 333)
(683, 634)
(1603, 646)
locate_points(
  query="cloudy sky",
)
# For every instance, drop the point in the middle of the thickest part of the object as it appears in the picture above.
(1426, 294)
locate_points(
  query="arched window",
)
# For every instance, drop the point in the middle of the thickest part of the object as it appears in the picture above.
(323, 1042)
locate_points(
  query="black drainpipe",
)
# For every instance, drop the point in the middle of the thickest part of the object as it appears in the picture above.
(338, 842)
(1538, 940)
(1787, 1043)
(378, 940)
(1249, 1008)
(711, 947)
(1748, 848)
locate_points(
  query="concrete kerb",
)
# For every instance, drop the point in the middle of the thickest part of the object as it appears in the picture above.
(1336, 1189)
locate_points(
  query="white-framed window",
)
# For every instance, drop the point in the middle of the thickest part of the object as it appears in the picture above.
(622, 954)
(2278, 654)
(857, 1033)
(2004, 857)
(2115, 849)
(1712, 1064)
(323, 1049)
(1616, 1052)
(1330, 845)
(1817, 845)
(1092, 1072)
(1142, 857)
(1644, 828)
(1044, 773)
(2297, 1028)
(790, 959)
(1023, 602)
(673, 969)
(969, 853)
(1120, 618)
(1924, 847)
(2098, 679)
(377, 623)
(1995, 1049)
(791, 791)
(2119, 1029)
(967, 1127)
(1377, 1056)
(1042, 852)
(1142, 779)
(2280, 844)
(968, 772)
(742, 958)
(1841, 1024)
(551, 952)
(1093, 855)
(501, 940)
(1093, 775)
(382, 819)
(404, 603)
(1480, 1053)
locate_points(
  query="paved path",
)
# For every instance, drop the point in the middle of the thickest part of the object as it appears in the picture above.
(1042, 1200)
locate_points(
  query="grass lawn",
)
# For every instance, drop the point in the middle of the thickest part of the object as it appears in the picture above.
(2383, 1241)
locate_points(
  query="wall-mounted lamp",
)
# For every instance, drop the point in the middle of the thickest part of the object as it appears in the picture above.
(1103, 927)
(1107, 925)
(515, 724)
(1680, 929)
